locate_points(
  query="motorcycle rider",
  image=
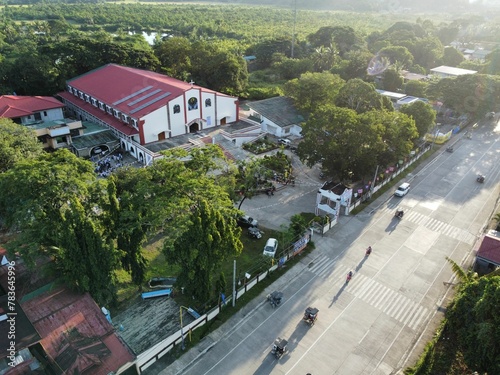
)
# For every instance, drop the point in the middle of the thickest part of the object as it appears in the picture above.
(349, 277)
(369, 250)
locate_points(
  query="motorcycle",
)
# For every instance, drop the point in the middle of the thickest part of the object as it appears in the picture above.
(279, 348)
(255, 232)
(399, 214)
(480, 178)
(449, 149)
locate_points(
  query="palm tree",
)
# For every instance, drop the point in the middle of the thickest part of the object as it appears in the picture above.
(462, 275)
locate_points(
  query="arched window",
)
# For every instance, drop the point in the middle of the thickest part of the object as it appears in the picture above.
(192, 103)
(177, 108)
(208, 102)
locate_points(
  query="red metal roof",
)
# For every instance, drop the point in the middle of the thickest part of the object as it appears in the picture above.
(75, 333)
(489, 249)
(105, 117)
(12, 106)
(129, 89)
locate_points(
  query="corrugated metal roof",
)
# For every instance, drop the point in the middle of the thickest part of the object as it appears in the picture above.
(75, 332)
(280, 110)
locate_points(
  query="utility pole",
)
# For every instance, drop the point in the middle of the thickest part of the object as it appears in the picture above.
(373, 182)
(234, 283)
(294, 22)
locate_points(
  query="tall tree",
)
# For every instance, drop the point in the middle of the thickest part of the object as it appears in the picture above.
(422, 113)
(313, 90)
(17, 143)
(361, 97)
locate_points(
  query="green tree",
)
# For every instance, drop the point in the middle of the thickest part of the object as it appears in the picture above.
(493, 62)
(335, 136)
(361, 97)
(17, 143)
(211, 237)
(313, 90)
(354, 65)
(422, 113)
(392, 80)
(452, 57)
(399, 54)
(53, 202)
(416, 88)
(175, 57)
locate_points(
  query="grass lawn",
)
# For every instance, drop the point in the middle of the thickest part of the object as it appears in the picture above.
(249, 261)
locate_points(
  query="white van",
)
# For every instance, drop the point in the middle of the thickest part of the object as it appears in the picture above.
(271, 247)
(402, 190)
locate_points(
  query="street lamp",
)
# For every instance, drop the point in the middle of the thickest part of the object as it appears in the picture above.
(182, 333)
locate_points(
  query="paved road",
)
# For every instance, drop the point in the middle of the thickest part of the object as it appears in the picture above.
(371, 325)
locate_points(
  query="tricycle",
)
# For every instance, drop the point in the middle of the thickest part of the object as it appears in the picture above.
(275, 298)
(279, 348)
(310, 315)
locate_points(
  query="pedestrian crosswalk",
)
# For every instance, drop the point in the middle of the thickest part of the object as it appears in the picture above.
(438, 226)
(387, 300)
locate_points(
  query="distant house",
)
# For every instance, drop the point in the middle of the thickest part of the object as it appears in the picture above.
(409, 76)
(393, 96)
(448, 71)
(143, 108)
(277, 116)
(31, 110)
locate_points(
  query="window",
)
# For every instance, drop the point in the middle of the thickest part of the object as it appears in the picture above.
(115, 113)
(45, 113)
(70, 89)
(177, 108)
(94, 102)
(208, 102)
(192, 103)
(108, 109)
(134, 123)
(87, 98)
(101, 106)
(81, 95)
(125, 118)
(38, 116)
(75, 92)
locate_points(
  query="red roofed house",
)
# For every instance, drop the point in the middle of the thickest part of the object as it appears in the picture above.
(75, 333)
(44, 115)
(143, 107)
(488, 253)
(29, 110)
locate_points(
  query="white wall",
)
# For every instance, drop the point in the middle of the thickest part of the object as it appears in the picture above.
(53, 114)
(208, 113)
(195, 113)
(227, 108)
(155, 123)
(177, 123)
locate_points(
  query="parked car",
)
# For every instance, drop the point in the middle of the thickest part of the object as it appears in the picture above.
(285, 142)
(246, 221)
(402, 190)
(271, 247)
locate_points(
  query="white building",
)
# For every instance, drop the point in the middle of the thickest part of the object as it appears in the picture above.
(277, 116)
(144, 108)
(449, 71)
